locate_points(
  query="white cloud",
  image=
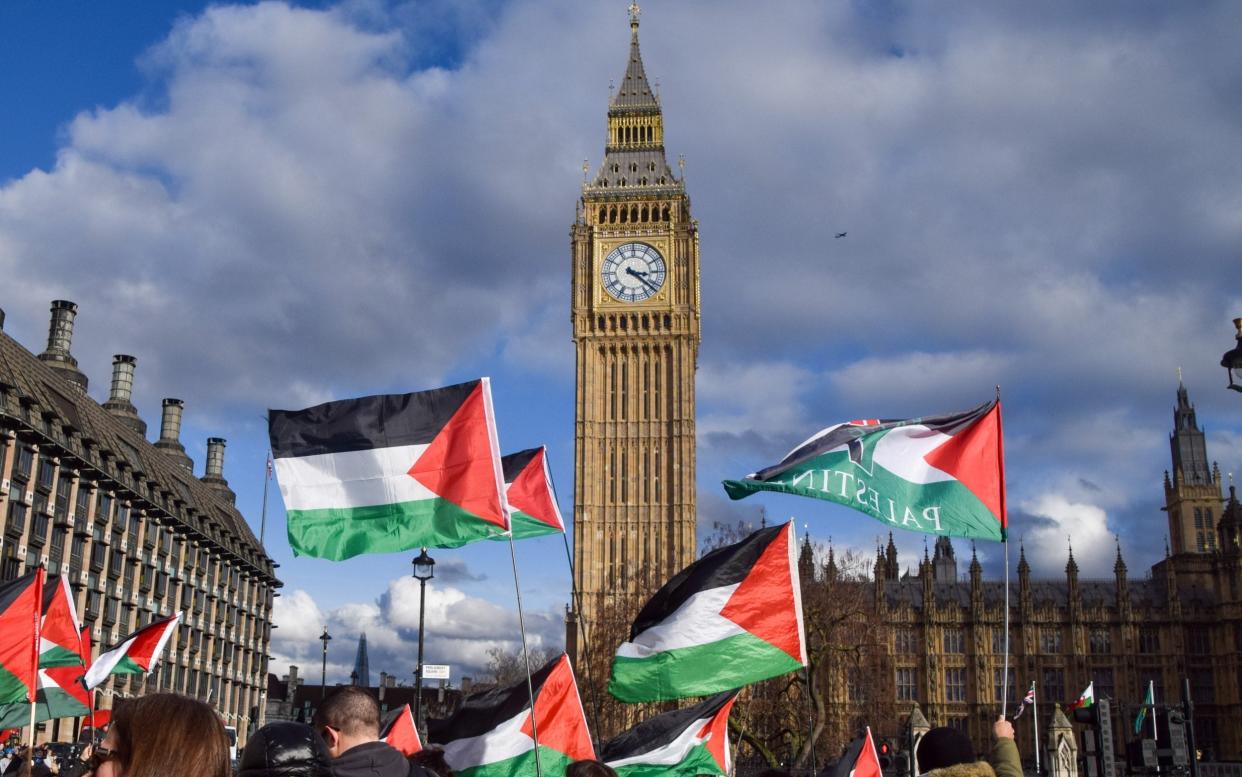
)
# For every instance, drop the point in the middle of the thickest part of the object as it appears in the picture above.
(1080, 523)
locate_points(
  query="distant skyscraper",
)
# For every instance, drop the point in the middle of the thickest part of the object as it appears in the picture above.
(362, 669)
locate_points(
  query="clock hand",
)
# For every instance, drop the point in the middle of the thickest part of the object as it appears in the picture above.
(636, 273)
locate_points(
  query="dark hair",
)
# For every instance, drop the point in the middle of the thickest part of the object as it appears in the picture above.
(770, 772)
(169, 735)
(350, 710)
(285, 748)
(432, 759)
(941, 747)
(589, 768)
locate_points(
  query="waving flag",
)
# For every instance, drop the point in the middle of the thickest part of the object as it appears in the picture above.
(732, 618)
(1149, 701)
(1027, 701)
(681, 743)
(20, 610)
(490, 735)
(62, 661)
(387, 473)
(528, 489)
(1085, 700)
(137, 653)
(60, 634)
(860, 758)
(401, 733)
(936, 475)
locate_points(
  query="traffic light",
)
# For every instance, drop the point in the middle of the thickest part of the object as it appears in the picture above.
(884, 751)
(1097, 740)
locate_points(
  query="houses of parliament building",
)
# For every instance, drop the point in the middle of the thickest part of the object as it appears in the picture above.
(945, 633)
(85, 493)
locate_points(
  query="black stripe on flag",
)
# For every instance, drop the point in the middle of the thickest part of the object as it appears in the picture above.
(721, 567)
(365, 423)
(662, 730)
(514, 463)
(10, 592)
(948, 424)
(482, 712)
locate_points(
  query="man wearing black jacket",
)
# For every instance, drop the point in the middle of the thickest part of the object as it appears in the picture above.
(349, 722)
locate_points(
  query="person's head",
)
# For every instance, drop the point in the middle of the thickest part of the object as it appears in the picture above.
(432, 759)
(943, 747)
(285, 749)
(164, 735)
(346, 719)
(589, 768)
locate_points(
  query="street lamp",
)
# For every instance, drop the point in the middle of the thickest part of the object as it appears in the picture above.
(1232, 360)
(323, 677)
(424, 570)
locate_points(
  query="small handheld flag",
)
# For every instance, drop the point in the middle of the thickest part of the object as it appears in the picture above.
(731, 618)
(936, 475)
(401, 733)
(137, 653)
(20, 609)
(860, 759)
(532, 500)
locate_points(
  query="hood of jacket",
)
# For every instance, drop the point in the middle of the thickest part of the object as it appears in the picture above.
(975, 769)
(371, 759)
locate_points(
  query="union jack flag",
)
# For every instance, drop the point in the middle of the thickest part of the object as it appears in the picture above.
(1026, 701)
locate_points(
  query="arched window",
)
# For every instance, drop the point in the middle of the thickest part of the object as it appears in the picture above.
(625, 214)
(633, 213)
(644, 211)
(603, 214)
(664, 214)
(612, 215)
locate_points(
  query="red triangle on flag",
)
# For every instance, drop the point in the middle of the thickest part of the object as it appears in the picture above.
(147, 642)
(973, 457)
(402, 734)
(868, 761)
(558, 712)
(717, 734)
(461, 465)
(531, 493)
(765, 603)
(21, 606)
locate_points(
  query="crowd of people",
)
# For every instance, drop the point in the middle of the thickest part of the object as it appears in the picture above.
(168, 735)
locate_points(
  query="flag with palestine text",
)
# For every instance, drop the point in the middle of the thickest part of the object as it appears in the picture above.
(732, 618)
(936, 475)
(388, 473)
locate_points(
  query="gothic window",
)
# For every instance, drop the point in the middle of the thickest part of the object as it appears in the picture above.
(1202, 686)
(998, 641)
(1207, 518)
(1101, 641)
(998, 685)
(907, 684)
(603, 214)
(634, 213)
(953, 642)
(1149, 641)
(959, 722)
(612, 475)
(1050, 640)
(644, 211)
(955, 683)
(655, 467)
(907, 642)
(1198, 519)
(625, 212)
(612, 391)
(1053, 686)
(1198, 640)
(625, 389)
(1105, 685)
(646, 388)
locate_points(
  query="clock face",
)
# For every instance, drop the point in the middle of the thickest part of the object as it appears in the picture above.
(633, 272)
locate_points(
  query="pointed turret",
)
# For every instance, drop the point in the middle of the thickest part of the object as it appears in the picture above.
(830, 568)
(1071, 566)
(976, 584)
(362, 667)
(1192, 495)
(806, 559)
(1025, 602)
(1122, 581)
(890, 557)
(635, 92)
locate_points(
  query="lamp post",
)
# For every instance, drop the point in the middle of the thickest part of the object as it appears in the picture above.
(424, 570)
(323, 677)
(1232, 360)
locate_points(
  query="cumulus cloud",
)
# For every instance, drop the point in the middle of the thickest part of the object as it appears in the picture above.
(1064, 522)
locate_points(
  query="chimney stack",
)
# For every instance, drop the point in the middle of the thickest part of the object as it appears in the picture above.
(214, 474)
(59, 340)
(1, 319)
(170, 433)
(119, 404)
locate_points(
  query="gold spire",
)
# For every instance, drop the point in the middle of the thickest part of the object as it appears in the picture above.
(634, 12)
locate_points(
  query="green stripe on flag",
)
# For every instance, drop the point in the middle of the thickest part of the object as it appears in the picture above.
(53, 702)
(338, 533)
(698, 761)
(58, 655)
(525, 526)
(551, 761)
(941, 507)
(12, 690)
(701, 670)
(127, 665)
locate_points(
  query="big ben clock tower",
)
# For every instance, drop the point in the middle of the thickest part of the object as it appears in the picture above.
(635, 312)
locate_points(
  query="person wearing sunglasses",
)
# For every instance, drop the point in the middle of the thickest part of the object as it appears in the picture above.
(163, 735)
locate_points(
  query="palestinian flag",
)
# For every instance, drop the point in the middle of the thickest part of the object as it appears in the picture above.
(137, 653)
(62, 661)
(20, 610)
(681, 743)
(533, 510)
(860, 758)
(388, 473)
(1085, 700)
(937, 475)
(491, 734)
(401, 733)
(732, 618)
(60, 641)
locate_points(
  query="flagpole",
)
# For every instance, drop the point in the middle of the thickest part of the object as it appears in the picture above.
(1035, 721)
(34, 680)
(576, 597)
(267, 478)
(1000, 436)
(810, 703)
(530, 689)
(1155, 731)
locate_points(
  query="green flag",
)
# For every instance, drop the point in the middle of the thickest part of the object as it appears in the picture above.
(1148, 701)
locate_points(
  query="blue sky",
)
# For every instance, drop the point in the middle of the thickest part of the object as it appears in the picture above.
(275, 204)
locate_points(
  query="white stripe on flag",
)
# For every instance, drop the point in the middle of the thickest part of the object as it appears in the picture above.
(500, 744)
(106, 662)
(672, 753)
(697, 622)
(379, 476)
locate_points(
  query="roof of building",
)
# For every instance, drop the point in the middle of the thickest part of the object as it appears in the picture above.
(38, 397)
